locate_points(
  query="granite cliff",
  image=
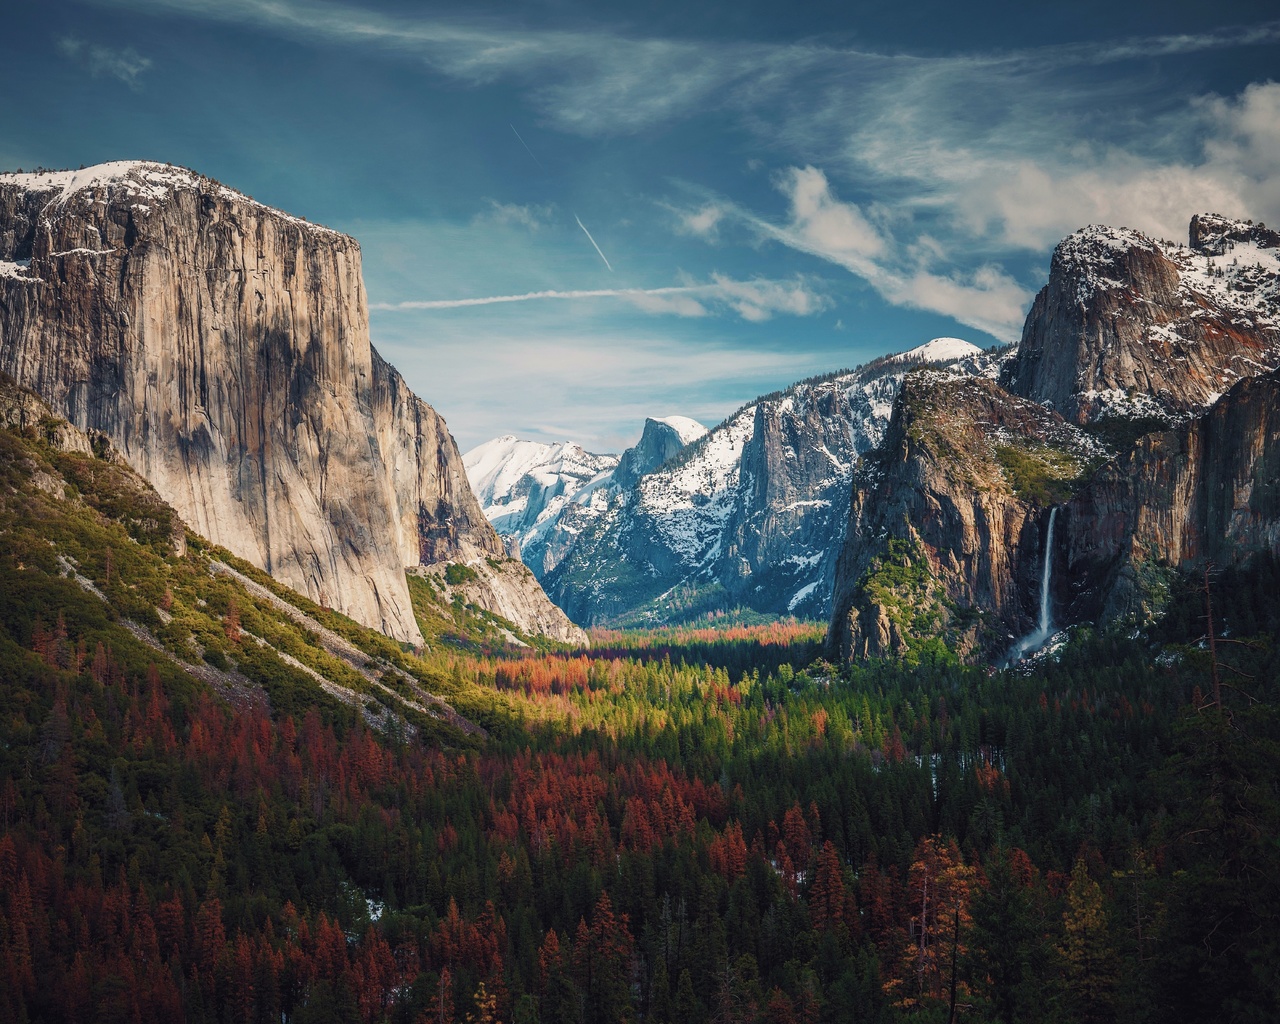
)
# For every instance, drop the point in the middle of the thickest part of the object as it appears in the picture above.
(1134, 340)
(1205, 491)
(947, 515)
(750, 515)
(223, 348)
(1131, 327)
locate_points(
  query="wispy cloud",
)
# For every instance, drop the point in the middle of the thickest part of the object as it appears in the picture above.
(703, 222)
(127, 64)
(607, 381)
(753, 300)
(824, 226)
(533, 216)
(958, 162)
(599, 81)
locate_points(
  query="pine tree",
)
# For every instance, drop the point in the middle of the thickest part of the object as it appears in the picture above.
(1088, 958)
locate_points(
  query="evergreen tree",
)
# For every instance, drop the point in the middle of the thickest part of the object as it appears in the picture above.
(1088, 958)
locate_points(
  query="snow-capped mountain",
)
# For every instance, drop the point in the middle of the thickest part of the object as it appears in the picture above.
(753, 513)
(523, 486)
(1131, 327)
(540, 496)
(1138, 416)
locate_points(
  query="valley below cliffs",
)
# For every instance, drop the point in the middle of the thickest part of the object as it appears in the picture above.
(223, 348)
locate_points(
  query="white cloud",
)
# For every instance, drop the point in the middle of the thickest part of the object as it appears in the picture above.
(839, 232)
(678, 304)
(532, 216)
(127, 64)
(971, 159)
(602, 382)
(823, 223)
(603, 82)
(759, 300)
(703, 222)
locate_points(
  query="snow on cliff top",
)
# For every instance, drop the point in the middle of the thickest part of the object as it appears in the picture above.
(688, 430)
(144, 179)
(1099, 240)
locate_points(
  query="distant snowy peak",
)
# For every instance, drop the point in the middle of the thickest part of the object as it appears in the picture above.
(662, 440)
(515, 479)
(686, 429)
(543, 496)
(939, 350)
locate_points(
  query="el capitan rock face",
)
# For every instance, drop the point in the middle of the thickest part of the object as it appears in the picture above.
(223, 347)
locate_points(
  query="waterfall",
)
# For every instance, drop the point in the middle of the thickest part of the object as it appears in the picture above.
(1036, 639)
(1045, 574)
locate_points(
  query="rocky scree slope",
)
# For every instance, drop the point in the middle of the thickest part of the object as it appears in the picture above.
(223, 347)
(1134, 341)
(752, 514)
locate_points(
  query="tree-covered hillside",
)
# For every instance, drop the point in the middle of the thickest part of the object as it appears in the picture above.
(219, 802)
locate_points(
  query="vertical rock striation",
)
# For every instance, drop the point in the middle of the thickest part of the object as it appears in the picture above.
(945, 527)
(223, 347)
(1207, 490)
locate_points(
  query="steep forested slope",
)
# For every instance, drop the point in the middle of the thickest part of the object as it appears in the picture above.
(216, 808)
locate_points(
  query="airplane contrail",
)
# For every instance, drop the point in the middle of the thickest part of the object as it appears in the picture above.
(593, 242)
(596, 293)
(526, 148)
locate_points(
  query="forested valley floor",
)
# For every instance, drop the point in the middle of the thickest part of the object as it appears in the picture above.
(701, 824)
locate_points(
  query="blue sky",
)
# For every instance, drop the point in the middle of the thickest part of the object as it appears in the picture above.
(708, 200)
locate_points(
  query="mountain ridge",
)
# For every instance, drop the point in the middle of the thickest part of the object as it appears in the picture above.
(1152, 367)
(748, 513)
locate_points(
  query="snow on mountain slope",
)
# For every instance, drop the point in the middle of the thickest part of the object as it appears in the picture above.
(686, 429)
(752, 513)
(523, 486)
(1131, 327)
(939, 350)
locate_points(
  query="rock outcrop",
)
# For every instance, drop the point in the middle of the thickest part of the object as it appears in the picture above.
(660, 442)
(1205, 491)
(1133, 339)
(223, 347)
(1130, 327)
(946, 519)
